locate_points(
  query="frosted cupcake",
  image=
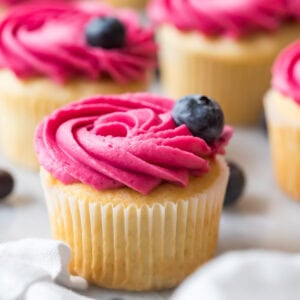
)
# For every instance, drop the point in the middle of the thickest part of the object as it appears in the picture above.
(134, 191)
(282, 105)
(223, 49)
(52, 55)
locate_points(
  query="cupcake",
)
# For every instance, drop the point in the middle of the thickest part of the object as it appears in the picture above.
(223, 50)
(53, 54)
(136, 4)
(135, 186)
(282, 105)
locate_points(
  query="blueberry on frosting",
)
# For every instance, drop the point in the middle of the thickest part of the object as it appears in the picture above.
(105, 32)
(203, 116)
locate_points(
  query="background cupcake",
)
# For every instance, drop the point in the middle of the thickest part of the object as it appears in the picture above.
(137, 197)
(137, 4)
(282, 106)
(223, 49)
(54, 54)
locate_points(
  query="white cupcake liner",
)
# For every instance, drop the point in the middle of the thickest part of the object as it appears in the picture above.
(138, 246)
(284, 134)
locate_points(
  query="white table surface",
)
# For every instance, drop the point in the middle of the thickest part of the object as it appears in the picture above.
(264, 218)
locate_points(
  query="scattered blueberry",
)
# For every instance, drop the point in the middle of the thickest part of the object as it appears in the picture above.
(105, 32)
(203, 116)
(236, 184)
(157, 73)
(6, 183)
(263, 123)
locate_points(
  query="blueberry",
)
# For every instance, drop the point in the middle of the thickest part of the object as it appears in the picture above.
(236, 184)
(157, 73)
(6, 183)
(105, 32)
(263, 123)
(203, 116)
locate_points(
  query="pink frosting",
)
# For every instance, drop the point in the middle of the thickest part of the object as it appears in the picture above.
(286, 72)
(48, 40)
(129, 140)
(293, 7)
(17, 2)
(234, 18)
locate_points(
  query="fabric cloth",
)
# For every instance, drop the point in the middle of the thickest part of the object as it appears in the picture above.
(245, 275)
(33, 267)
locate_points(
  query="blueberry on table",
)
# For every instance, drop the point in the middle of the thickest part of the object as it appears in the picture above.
(236, 184)
(157, 73)
(105, 32)
(6, 183)
(203, 116)
(263, 123)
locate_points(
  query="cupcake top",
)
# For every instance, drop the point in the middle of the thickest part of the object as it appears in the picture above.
(234, 18)
(286, 72)
(129, 140)
(65, 41)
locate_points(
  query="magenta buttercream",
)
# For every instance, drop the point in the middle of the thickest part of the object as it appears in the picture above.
(293, 7)
(234, 18)
(48, 40)
(17, 2)
(129, 140)
(286, 72)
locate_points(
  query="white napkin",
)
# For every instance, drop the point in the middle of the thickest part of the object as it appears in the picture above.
(35, 269)
(245, 275)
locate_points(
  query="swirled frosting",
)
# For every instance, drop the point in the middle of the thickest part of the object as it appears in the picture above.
(234, 18)
(129, 140)
(17, 2)
(286, 72)
(49, 40)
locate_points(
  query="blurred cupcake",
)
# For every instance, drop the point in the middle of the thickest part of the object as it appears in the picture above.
(137, 197)
(136, 4)
(52, 55)
(223, 49)
(282, 105)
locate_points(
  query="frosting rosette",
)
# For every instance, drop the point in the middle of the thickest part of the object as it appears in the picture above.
(234, 18)
(129, 140)
(286, 72)
(49, 40)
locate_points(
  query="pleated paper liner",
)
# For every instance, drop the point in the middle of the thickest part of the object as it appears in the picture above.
(235, 73)
(24, 103)
(123, 240)
(136, 4)
(283, 119)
